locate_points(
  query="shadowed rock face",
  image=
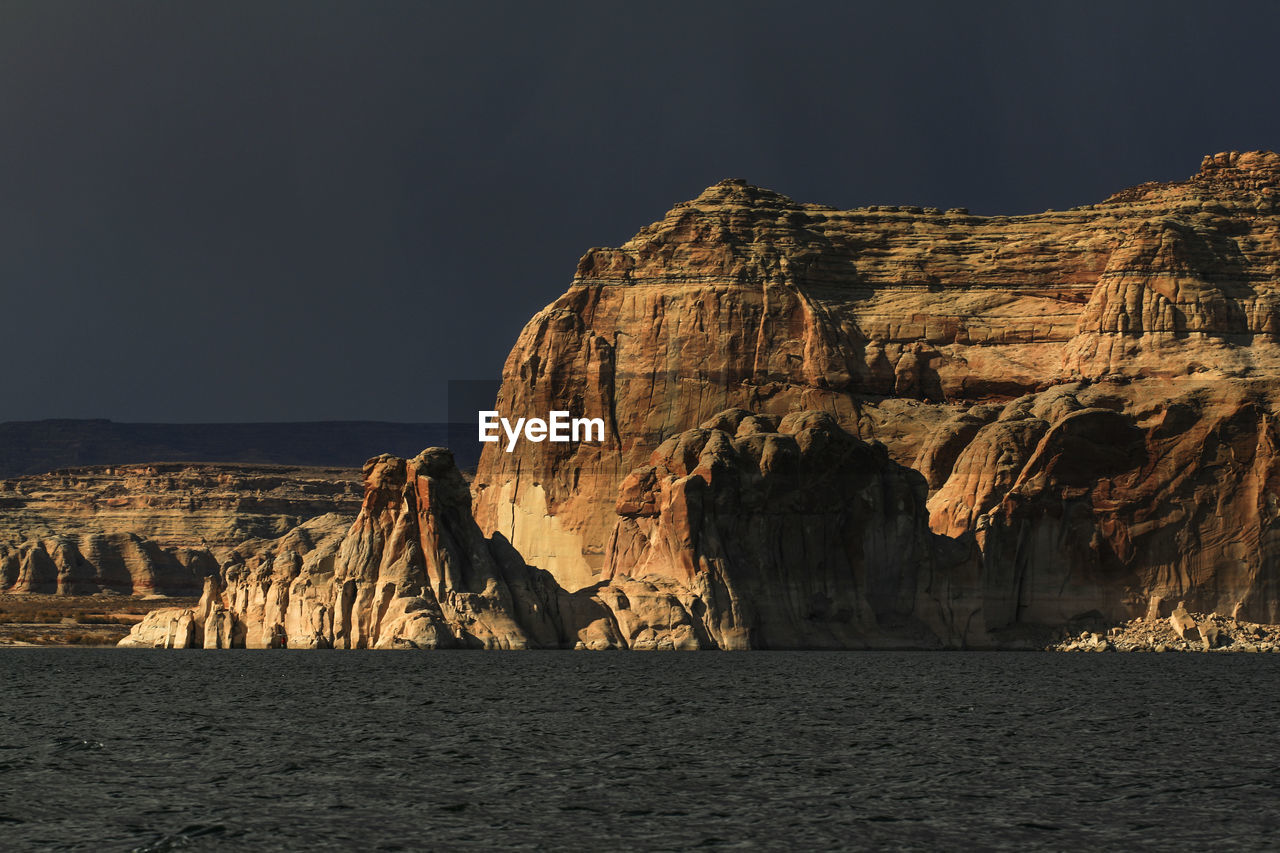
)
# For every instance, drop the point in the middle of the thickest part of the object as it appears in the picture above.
(1086, 392)
(1129, 499)
(791, 533)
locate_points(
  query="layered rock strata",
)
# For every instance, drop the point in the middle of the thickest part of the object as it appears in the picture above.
(147, 529)
(1088, 393)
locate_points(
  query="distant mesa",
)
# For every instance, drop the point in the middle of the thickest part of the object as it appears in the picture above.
(37, 447)
(143, 509)
(153, 529)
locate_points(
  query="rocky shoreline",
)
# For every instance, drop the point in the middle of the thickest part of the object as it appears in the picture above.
(1180, 632)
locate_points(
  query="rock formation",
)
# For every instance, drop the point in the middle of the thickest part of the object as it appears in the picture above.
(412, 571)
(889, 426)
(1130, 498)
(159, 528)
(750, 532)
(1181, 632)
(1089, 393)
(788, 532)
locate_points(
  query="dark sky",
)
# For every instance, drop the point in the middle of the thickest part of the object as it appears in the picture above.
(255, 211)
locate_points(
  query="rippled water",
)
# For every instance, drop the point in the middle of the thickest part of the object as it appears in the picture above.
(125, 750)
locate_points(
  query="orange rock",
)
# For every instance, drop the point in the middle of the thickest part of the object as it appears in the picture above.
(1089, 393)
(1184, 625)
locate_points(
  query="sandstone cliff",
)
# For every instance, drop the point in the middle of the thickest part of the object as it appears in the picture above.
(750, 532)
(1087, 393)
(159, 528)
(889, 426)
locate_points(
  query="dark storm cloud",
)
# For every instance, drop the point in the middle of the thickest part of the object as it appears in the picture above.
(291, 211)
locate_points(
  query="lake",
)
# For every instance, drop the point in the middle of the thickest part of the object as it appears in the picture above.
(113, 749)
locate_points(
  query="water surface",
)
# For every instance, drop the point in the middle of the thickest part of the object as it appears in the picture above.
(152, 750)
